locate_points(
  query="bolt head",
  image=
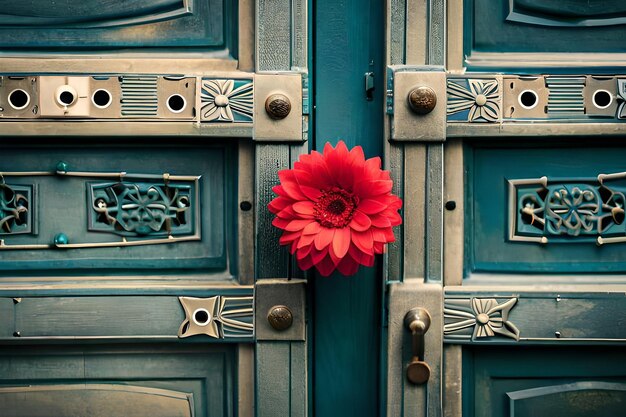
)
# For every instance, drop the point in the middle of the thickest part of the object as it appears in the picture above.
(422, 100)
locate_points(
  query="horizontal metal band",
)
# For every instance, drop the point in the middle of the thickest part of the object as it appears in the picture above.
(534, 317)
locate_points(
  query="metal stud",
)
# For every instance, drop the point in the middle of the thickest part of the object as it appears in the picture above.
(280, 317)
(278, 106)
(422, 100)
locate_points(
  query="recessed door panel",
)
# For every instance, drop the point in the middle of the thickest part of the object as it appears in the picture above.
(112, 206)
(550, 209)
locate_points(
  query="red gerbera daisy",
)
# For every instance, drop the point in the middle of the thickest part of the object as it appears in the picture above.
(336, 209)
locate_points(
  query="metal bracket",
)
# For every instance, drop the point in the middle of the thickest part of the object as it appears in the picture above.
(278, 106)
(417, 116)
(280, 309)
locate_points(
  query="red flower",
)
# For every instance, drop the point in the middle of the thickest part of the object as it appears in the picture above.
(336, 209)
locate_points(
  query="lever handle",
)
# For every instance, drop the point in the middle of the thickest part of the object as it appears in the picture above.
(417, 320)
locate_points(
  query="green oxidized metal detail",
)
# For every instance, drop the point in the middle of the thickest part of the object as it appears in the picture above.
(568, 210)
(142, 209)
(15, 209)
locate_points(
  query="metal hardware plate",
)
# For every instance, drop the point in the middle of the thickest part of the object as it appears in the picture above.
(408, 126)
(288, 128)
(280, 292)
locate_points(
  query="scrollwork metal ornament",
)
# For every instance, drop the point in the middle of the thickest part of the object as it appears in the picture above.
(485, 317)
(227, 101)
(474, 100)
(560, 210)
(219, 317)
(141, 209)
(15, 215)
(621, 92)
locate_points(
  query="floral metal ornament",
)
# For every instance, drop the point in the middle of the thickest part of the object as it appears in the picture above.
(14, 209)
(473, 100)
(336, 209)
(485, 316)
(227, 101)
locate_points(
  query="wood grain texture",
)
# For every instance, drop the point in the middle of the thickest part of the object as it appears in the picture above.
(272, 260)
(453, 241)
(273, 31)
(7, 317)
(437, 32)
(396, 31)
(434, 212)
(415, 198)
(417, 36)
(246, 219)
(347, 310)
(273, 376)
(394, 162)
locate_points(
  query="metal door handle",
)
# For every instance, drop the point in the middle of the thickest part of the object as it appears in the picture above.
(417, 320)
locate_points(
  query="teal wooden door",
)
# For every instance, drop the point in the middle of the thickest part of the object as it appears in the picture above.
(507, 128)
(128, 147)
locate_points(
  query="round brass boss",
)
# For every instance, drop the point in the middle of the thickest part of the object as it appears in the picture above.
(280, 317)
(418, 372)
(277, 106)
(422, 100)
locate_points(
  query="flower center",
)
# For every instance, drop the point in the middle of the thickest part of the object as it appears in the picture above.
(221, 101)
(481, 100)
(482, 318)
(334, 208)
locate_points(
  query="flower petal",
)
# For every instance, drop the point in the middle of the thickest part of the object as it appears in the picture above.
(371, 206)
(297, 224)
(360, 222)
(348, 266)
(363, 241)
(324, 238)
(304, 207)
(325, 266)
(312, 229)
(306, 240)
(341, 242)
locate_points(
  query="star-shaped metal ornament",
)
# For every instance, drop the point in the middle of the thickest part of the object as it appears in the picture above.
(201, 317)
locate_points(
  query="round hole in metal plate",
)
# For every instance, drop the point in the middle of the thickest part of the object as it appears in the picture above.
(101, 98)
(528, 99)
(19, 99)
(602, 99)
(201, 317)
(176, 103)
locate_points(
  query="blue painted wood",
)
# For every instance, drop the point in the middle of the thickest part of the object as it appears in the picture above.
(206, 373)
(536, 26)
(592, 380)
(491, 166)
(346, 312)
(62, 205)
(41, 25)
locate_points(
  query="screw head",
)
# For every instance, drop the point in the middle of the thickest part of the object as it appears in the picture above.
(245, 206)
(278, 106)
(280, 317)
(422, 100)
(450, 205)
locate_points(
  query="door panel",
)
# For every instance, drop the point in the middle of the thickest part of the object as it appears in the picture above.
(541, 208)
(142, 380)
(45, 25)
(545, 381)
(118, 207)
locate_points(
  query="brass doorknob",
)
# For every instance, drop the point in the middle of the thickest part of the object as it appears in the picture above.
(422, 100)
(417, 320)
(280, 317)
(278, 106)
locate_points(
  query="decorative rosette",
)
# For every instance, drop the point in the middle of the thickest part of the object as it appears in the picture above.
(336, 209)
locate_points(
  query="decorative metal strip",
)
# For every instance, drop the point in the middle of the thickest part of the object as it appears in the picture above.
(474, 100)
(220, 317)
(224, 100)
(478, 318)
(568, 210)
(139, 96)
(621, 97)
(16, 209)
(565, 95)
(152, 210)
(142, 209)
